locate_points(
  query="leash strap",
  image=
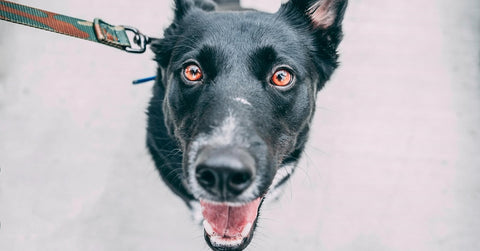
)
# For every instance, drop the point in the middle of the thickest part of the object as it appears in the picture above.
(96, 31)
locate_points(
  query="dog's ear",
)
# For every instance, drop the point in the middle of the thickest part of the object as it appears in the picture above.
(323, 19)
(327, 13)
(323, 14)
(182, 7)
(163, 47)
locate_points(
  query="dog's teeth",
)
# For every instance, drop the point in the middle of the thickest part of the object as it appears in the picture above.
(246, 230)
(225, 242)
(208, 228)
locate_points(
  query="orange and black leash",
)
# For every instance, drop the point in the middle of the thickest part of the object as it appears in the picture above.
(116, 36)
(97, 31)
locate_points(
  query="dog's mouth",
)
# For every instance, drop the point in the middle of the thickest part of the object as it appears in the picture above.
(229, 227)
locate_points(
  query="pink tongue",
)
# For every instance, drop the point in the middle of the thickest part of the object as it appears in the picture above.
(229, 221)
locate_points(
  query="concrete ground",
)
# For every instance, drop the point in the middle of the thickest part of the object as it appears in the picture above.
(393, 162)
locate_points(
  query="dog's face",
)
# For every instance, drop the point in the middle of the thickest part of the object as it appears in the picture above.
(233, 102)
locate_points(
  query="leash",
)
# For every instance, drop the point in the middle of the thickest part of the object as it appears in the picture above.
(97, 31)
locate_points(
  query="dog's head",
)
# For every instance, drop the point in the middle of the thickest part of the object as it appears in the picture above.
(236, 93)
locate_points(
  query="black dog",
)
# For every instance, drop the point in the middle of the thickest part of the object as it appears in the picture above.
(233, 102)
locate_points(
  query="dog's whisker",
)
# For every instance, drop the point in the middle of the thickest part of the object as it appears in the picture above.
(175, 174)
(171, 153)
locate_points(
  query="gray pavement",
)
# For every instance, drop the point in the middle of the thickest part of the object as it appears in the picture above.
(393, 162)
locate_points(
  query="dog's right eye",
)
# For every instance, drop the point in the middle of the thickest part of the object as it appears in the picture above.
(192, 73)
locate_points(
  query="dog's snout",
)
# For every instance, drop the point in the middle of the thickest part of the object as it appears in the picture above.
(225, 173)
(223, 180)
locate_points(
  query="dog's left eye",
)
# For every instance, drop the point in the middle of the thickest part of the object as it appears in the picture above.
(282, 78)
(193, 73)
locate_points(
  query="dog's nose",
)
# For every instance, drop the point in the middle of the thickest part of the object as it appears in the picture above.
(225, 173)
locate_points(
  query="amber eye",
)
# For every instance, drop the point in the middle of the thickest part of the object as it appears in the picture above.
(192, 73)
(282, 78)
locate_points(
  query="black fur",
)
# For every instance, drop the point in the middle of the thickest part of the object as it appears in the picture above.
(238, 52)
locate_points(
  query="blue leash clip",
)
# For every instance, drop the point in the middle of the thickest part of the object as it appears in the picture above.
(143, 80)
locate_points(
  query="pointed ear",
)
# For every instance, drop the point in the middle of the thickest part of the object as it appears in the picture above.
(323, 14)
(327, 13)
(163, 47)
(323, 20)
(183, 6)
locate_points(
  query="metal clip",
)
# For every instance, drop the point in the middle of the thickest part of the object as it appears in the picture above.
(139, 39)
(110, 35)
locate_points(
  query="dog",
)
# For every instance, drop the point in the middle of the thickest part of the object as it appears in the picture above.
(233, 104)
